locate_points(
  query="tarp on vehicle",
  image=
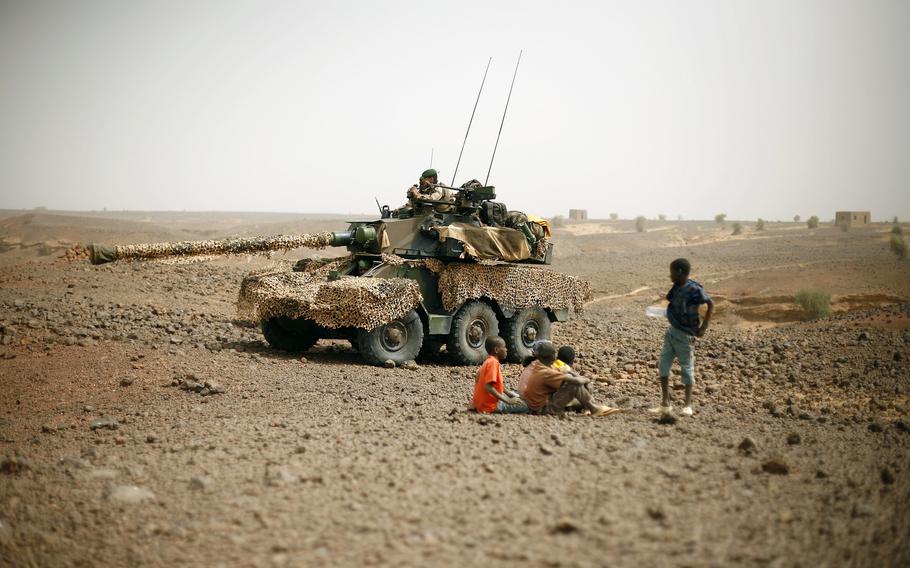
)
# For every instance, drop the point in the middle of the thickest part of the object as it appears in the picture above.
(488, 243)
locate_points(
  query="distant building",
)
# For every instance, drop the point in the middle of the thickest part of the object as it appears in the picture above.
(852, 218)
(578, 214)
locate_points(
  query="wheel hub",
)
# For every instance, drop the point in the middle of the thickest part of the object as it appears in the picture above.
(394, 336)
(476, 334)
(529, 333)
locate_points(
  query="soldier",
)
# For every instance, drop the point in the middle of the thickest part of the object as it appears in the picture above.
(424, 190)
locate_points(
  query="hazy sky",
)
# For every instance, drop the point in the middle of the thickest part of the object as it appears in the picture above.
(757, 109)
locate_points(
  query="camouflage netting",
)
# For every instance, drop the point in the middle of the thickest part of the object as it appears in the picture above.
(512, 286)
(364, 303)
(252, 245)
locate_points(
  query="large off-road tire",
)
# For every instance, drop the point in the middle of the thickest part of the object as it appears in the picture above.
(474, 322)
(286, 334)
(399, 340)
(523, 329)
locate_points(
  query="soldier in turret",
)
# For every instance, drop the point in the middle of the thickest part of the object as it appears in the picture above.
(425, 190)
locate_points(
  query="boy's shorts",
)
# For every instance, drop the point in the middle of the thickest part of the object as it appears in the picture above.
(503, 408)
(678, 345)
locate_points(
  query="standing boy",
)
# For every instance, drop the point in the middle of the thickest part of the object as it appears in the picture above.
(685, 297)
(489, 389)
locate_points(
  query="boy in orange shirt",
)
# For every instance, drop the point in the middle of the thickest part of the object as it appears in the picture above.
(489, 389)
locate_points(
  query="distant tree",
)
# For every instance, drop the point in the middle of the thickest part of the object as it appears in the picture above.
(662, 217)
(720, 218)
(897, 230)
(558, 222)
(614, 216)
(41, 208)
(796, 218)
(760, 224)
(737, 228)
(812, 223)
(898, 246)
(895, 220)
(640, 224)
(679, 217)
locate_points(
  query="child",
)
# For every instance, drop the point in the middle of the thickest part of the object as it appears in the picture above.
(489, 390)
(685, 297)
(549, 391)
(565, 357)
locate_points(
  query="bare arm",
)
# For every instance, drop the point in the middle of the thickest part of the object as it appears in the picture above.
(707, 320)
(500, 396)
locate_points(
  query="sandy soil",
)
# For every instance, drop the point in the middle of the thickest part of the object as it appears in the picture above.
(797, 454)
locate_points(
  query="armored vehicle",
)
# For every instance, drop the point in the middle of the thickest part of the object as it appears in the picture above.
(415, 280)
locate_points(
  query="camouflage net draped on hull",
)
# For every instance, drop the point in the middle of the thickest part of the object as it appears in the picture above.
(363, 303)
(229, 246)
(515, 287)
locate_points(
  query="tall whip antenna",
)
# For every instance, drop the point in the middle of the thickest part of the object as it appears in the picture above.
(431, 156)
(503, 117)
(471, 121)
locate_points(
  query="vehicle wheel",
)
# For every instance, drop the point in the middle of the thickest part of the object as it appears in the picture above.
(471, 327)
(287, 334)
(523, 329)
(399, 340)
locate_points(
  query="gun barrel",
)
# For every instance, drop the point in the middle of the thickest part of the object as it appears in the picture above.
(101, 254)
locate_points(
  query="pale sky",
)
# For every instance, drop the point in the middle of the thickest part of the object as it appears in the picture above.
(756, 109)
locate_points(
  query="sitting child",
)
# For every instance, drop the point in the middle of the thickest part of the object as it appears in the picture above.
(489, 389)
(549, 391)
(565, 358)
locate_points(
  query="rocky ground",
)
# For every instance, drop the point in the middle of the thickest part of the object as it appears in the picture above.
(140, 424)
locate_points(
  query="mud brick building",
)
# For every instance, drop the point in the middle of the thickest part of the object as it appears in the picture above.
(578, 214)
(852, 218)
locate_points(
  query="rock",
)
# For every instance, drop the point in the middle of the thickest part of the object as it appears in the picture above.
(410, 365)
(13, 465)
(898, 356)
(303, 360)
(875, 427)
(151, 439)
(793, 438)
(887, 476)
(200, 482)
(546, 450)
(863, 336)
(126, 381)
(129, 495)
(104, 422)
(861, 510)
(389, 364)
(6, 533)
(776, 466)
(565, 526)
(747, 446)
(902, 426)
(657, 514)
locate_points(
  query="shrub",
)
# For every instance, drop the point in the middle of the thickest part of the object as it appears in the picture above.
(898, 246)
(816, 303)
(662, 217)
(720, 218)
(796, 218)
(897, 230)
(640, 224)
(737, 228)
(614, 216)
(812, 222)
(558, 222)
(760, 224)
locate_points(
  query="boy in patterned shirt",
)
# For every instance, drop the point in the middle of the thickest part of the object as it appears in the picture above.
(685, 298)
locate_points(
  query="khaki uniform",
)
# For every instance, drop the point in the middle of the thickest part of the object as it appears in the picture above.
(415, 195)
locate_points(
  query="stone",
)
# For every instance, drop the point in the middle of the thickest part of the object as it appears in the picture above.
(129, 495)
(546, 450)
(887, 476)
(126, 381)
(200, 482)
(775, 466)
(410, 365)
(861, 510)
(388, 364)
(747, 446)
(12, 465)
(565, 526)
(875, 427)
(104, 422)
(793, 438)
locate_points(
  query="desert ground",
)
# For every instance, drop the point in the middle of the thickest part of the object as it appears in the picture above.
(796, 455)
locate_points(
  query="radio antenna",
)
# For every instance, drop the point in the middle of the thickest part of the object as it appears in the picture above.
(484, 80)
(431, 156)
(503, 117)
